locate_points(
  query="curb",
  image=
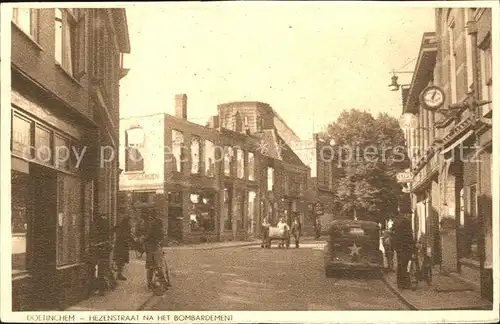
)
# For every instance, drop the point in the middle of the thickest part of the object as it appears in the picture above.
(398, 294)
(201, 247)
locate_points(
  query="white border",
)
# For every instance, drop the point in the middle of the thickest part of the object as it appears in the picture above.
(254, 316)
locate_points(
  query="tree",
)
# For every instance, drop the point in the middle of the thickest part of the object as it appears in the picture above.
(370, 151)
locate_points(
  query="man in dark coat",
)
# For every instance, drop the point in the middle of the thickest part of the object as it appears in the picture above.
(296, 230)
(153, 241)
(122, 246)
(404, 246)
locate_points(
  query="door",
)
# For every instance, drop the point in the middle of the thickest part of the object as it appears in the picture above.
(175, 224)
(44, 237)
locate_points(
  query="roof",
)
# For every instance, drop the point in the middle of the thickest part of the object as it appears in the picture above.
(423, 71)
(273, 146)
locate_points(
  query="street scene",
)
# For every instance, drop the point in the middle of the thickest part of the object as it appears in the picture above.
(200, 156)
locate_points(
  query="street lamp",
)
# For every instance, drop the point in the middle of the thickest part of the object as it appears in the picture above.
(394, 86)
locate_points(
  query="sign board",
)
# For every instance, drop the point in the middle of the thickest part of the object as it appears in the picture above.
(404, 177)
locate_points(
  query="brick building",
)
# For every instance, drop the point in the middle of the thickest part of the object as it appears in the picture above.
(66, 65)
(319, 156)
(451, 149)
(213, 182)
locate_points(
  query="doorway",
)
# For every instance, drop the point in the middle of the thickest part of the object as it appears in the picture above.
(44, 186)
(175, 224)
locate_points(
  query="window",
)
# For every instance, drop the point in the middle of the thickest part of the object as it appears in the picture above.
(228, 205)
(469, 12)
(286, 186)
(251, 166)
(228, 157)
(62, 152)
(195, 155)
(70, 41)
(486, 72)
(43, 145)
(21, 136)
(452, 67)
(270, 178)
(209, 153)
(177, 148)
(70, 225)
(252, 212)
(134, 143)
(240, 166)
(20, 220)
(27, 20)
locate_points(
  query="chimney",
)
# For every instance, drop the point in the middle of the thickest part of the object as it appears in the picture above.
(181, 106)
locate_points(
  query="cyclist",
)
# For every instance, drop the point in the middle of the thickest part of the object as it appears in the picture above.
(153, 245)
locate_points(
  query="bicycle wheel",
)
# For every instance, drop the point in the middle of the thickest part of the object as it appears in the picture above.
(166, 272)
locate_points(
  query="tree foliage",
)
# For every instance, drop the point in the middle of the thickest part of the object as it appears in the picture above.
(370, 152)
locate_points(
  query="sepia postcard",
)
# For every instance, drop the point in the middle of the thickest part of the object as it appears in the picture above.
(250, 162)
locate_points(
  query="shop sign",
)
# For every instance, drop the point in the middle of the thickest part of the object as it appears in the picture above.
(404, 177)
(143, 176)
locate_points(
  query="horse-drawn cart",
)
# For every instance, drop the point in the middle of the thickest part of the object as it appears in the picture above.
(275, 234)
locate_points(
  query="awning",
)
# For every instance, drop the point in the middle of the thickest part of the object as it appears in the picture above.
(457, 142)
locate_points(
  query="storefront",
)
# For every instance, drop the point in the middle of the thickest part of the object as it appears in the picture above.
(52, 204)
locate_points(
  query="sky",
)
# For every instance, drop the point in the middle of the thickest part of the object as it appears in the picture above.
(309, 61)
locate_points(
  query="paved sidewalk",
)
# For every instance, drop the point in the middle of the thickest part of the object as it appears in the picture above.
(444, 293)
(214, 245)
(129, 295)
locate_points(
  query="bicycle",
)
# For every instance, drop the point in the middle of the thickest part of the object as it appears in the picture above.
(161, 277)
(104, 278)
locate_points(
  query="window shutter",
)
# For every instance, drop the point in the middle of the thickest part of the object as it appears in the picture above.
(82, 46)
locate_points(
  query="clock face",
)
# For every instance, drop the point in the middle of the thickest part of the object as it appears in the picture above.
(433, 97)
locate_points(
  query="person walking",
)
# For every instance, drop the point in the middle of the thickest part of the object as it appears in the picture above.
(404, 246)
(122, 246)
(296, 231)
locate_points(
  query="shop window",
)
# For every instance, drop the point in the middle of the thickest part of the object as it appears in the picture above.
(43, 151)
(240, 163)
(21, 136)
(251, 166)
(209, 153)
(195, 155)
(27, 20)
(177, 149)
(70, 37)
(70, 225)
(228, 158)
(20, 221)
(62, 152)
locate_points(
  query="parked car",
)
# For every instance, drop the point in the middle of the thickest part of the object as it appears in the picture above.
(353, 245)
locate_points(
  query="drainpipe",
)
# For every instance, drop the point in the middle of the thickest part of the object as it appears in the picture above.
(476, 111)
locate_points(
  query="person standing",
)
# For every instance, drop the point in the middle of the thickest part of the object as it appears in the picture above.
(317, 228)
(265, 231)
(404, 246)
(296, 231)
(122, 246)
(153, 241)
(388, 249)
